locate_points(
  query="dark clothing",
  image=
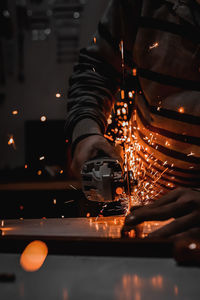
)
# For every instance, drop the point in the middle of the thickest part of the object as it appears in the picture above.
(162, 41)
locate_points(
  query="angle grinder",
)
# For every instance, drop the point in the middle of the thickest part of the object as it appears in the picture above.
(104, 180)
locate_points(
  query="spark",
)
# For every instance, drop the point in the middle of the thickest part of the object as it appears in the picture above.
(11, 141)
(155, 45)
(191, 154)
(73, 187)
(181, 110)
(15, 112)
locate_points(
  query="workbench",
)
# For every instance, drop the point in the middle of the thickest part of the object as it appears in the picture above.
(87, 259)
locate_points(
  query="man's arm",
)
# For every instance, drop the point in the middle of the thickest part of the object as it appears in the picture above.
(97, 77)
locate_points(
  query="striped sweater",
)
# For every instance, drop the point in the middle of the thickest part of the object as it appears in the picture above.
(162, 41)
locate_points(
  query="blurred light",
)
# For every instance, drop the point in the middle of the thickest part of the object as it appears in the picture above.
(192, 246)
(11, 141)
(181, 110)
(33, 256)
(43, 118)
(119, 190)
(6, 13)
(155, 45)
(54, 201)
(134, 72)
(25, 166)
(122, 94)
(88, 215)
(58, 95)
(42, 158)
(94, 39)
(39, 172)
(15, 112)
(175, 290)
(61, 171)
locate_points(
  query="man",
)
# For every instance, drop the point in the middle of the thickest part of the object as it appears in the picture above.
(161, 40)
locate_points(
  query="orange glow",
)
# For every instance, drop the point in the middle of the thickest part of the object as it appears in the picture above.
(15, 112)
(94, 39)
(25, 166)
(155, 45)
(181, 110)
(58, 95)
(122, 94)
(119, 190)
(88, 215)
(108, 137)
(61, 171)
(134, 72)
(39, 172)
(11, 140)
(33, 256)
(157, 282)
(175, 290)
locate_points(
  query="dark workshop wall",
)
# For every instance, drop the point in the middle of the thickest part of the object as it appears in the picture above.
(44, 77)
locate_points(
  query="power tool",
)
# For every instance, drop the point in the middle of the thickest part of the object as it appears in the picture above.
(103, 180)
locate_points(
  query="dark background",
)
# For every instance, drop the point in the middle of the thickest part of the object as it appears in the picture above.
(39, 44)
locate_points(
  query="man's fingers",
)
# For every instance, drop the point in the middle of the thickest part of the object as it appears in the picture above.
(149, 213)
(177, 226)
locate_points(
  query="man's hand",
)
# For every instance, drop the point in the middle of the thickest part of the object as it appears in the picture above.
(90, 148)
(183, 204)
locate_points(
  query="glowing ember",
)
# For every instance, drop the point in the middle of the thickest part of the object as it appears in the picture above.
(181, 110)
(11, 141)
(15, 112)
